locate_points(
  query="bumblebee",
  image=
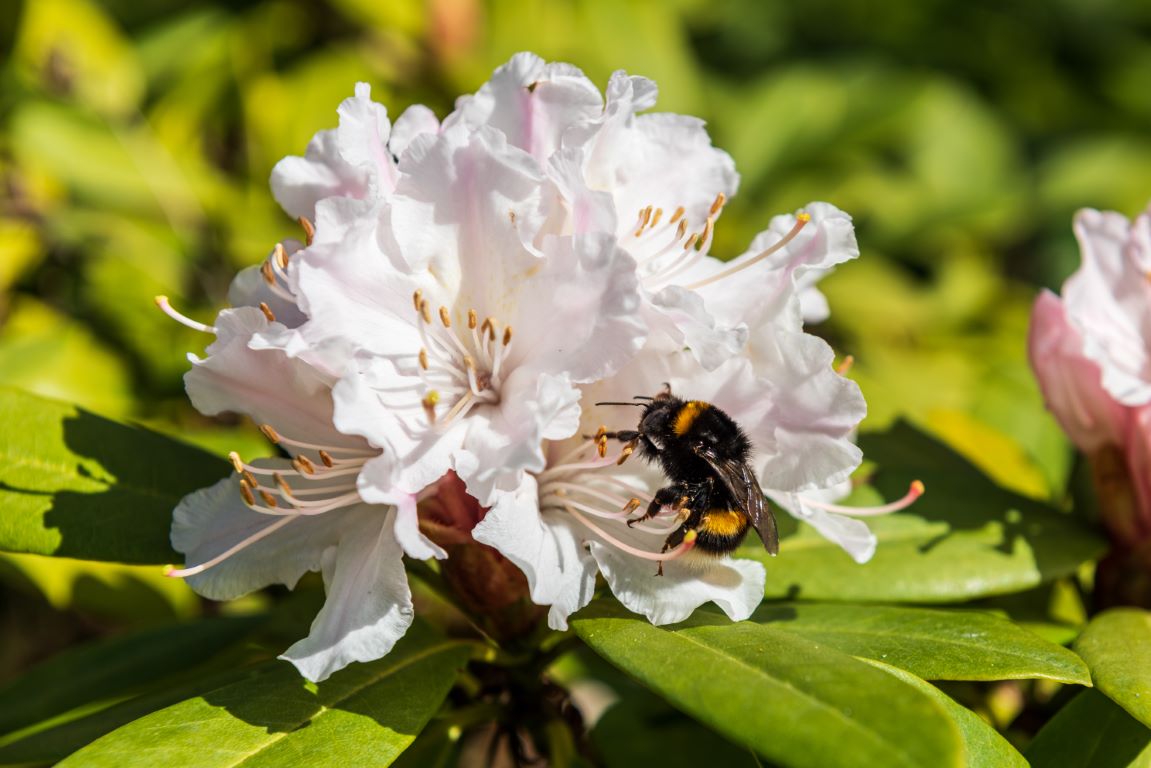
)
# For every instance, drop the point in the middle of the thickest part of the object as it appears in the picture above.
(705, 456)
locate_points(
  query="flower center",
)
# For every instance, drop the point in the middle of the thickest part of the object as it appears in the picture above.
(460, 365)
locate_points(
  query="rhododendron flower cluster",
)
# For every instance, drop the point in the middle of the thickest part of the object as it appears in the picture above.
(1091, 351)
(467, 292)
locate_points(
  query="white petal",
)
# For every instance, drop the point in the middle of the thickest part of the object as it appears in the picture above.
(363, 138)
(735, 585)
(684, 316)
(368, 606)
(547, 547)
(211, 521)
(298, 183)
(415, 120)
(850, 533)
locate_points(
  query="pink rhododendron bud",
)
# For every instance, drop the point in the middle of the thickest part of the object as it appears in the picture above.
(1090, 352)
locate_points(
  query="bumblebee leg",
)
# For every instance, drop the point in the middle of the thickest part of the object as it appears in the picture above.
(672, 494)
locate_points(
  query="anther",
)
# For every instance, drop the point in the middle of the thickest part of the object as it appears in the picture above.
(627, 451)
(326, 458)
(282, 483)
(631, 506)
(246, 493)
(707, 227)
(845, 365)
(268, 273)
(267, 312)
(469, 362)
(472, 319)
(309, 230)
(677, 215)
(270, 433)
(429, 403)
(423, 358)
(417, 299)
(656, 217)
(237, 462)
(425, 313)
(681, 230)
(280, 255)
(644, 217)
(489, 328)
(720, 199)
(249, 478)
(601, 446)
(691, 241)
(304, 465)
(507, 335)
(445, 318)
(268, 498)
(600, 433)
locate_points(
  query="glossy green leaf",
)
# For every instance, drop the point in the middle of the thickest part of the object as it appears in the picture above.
(931, 644)
(964, 539)
(1117, 647)
(984, 745)
(365, 715)
(1091, 732)
(794, 701)
(78, 485)
(110, 667)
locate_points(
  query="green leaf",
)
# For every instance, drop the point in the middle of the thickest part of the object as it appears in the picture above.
(366, 714)
(78, 485)
(932, 644)
(1091, 732)
(985, 746)
(1117, 647)
(795, 702)
(964, 539)
(111, 667)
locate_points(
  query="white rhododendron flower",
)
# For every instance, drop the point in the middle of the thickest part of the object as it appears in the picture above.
(470, 289)
(277, 519)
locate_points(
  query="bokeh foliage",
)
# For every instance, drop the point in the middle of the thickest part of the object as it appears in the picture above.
(136, 140)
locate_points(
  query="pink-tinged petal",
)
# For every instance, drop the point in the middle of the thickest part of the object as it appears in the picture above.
(1072, 384)
(266, 385)
(546, 546)
(1137, 452)
(415, 121)
(211, 521)
(532, 103)
(849, 533)
(735, 585)
(298, 183)
(581, 209)
(467, 204)
(682, 315)
(250, 288)
(579, 311)
(1109, 300)
(807, 433)
(368, 606)
(363, 138)
(407, 529)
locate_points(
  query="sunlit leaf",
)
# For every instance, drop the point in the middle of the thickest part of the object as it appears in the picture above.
(78, 485)
(984, 745)
(366, 714)
(931, 644)
(1117, 647)
(1091, 732)
(965, 538)
(794, 701)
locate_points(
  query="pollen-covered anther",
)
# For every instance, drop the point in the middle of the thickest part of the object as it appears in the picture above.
(914, 491)
(429, 403)
(681, 230)
(801, 220)
(507, 335)
(679, 212)
(424, 358)
(304, 465)
(489, 328)
(425, 313)
(267, 312)
(631, 506)
(717, 204)
(270, 432)
(445, 317)
(268, 272)
(472, 319)
(417, 299)
(268, 498)
(326, 458)
(246, 493)
(309, 230)
(280, 256)
(644, 218)
(282, 484)
(237, 462)
(601, 446)
(845, 365)
(249, 477)
(627, 451)
(655, 217)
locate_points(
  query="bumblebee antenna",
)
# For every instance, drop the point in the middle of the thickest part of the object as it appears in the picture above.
(612, 403)
(642, 397)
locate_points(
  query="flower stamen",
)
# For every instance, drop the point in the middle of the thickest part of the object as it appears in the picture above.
(801, 221)
(916, 490)
(166, 307)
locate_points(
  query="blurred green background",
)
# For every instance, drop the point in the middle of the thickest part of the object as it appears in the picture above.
(136, 140)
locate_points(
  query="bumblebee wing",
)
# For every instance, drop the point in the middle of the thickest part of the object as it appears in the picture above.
(744, 488)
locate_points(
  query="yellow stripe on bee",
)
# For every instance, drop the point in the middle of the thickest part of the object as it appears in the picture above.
(724, 522)
(687, 416)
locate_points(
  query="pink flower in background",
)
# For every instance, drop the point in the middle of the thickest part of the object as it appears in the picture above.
(1091, 351)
